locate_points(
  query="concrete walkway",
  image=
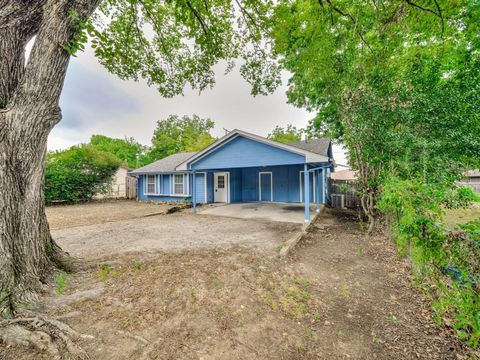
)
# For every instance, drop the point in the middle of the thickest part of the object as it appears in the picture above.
(282, 212)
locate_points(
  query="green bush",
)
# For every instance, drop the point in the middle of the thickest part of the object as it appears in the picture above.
(448, 262)
(77, 174)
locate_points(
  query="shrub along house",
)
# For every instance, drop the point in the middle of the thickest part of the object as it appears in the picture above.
(242, 167)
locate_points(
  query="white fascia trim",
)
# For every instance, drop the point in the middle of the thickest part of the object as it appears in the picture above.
(309, 156)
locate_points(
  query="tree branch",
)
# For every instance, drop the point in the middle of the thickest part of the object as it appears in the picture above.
(410, 2)
(438, 14)
(349, 16)
(244, 11)
(199, 18)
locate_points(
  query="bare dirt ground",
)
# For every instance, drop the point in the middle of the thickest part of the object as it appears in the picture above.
(340, 295)
(99, 212)
(171, 232)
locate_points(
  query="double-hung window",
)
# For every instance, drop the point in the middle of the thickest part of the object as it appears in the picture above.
(178, 184)
(151, 184)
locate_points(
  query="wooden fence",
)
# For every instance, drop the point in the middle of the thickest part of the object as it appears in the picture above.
(131, 187)
(343, 194)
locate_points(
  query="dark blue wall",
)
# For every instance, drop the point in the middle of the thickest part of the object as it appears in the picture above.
(286, 180)
(244, 185)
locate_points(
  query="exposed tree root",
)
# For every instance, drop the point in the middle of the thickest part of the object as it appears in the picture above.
(51, 336)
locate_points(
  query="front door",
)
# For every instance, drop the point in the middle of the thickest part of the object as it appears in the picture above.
(221, 187)
(265, 186)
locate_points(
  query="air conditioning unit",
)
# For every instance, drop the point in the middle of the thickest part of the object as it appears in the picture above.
(338, 201)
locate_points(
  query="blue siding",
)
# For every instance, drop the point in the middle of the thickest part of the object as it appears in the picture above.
(236, 185)
(242, 152)
(165, 184)
(266, 187)
(210, 185)
(164, 188)
(244, 185)
(312, 194)
(200, 188)
(285, 183)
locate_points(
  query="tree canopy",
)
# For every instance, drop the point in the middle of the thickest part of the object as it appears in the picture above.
(179, 134)
(398, 83)
(172, 44)
(288, 134)
(127, 150)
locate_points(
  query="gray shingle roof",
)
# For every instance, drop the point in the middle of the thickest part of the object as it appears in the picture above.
(317, 146)
(167, 164)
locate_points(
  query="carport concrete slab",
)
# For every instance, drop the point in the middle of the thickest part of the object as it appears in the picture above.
(283, 212)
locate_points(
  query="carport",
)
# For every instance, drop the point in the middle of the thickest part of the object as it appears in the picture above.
(242, 168)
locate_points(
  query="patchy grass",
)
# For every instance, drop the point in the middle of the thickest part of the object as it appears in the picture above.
(106, 271)
(324, 301)
(61, 282)
(462, 216)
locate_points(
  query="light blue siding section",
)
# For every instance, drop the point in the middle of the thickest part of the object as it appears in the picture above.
(242, 152)
(165, 184)
(200, 188)
(164, 189)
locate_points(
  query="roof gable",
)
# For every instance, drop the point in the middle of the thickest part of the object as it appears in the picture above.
(310, 156)
(241, 152)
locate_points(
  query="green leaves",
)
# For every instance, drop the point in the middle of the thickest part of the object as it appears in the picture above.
(82, 26)
(174, 43)
(291, 133)
(398, 83)
(179, 134)
(78, 174)
(127, 150)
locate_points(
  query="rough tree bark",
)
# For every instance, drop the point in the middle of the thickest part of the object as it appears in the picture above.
(29, 109)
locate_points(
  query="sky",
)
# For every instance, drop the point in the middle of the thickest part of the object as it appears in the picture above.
(96, 102)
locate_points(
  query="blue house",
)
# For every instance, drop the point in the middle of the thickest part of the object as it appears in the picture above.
(242, 167)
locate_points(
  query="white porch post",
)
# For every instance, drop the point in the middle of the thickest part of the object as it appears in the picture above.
(306, 188)
(194, 194)
(325, 193)
(317, 190)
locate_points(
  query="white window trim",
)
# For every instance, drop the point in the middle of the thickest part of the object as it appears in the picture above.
(172, 185)
(260, 185)
(302, 180)
(145, 184)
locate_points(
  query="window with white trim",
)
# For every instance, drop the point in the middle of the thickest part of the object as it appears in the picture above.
(151, 187)
(178, 184)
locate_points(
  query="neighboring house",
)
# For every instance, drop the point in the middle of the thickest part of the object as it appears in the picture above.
(241, 167)
(472, 179)
(118, 187)
(343, 189)
(346, 175)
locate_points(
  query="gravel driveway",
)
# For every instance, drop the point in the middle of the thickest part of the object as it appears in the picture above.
(171, 232)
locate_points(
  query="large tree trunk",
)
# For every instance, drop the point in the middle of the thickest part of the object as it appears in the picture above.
(29, 110)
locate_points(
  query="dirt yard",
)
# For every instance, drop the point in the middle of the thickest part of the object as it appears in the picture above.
(99, 212)
(120, 227)
(340, 295)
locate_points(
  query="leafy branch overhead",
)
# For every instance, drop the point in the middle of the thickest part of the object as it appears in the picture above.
(174, 44)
